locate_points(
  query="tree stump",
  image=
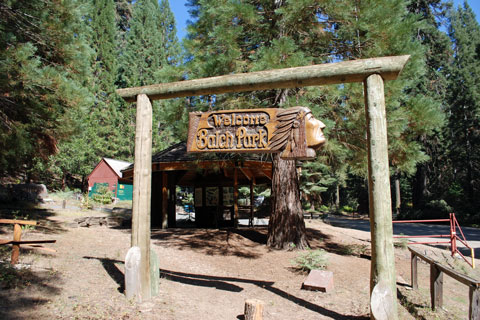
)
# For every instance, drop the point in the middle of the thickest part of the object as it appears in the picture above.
(254, 309)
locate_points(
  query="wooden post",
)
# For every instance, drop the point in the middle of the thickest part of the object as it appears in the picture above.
(253, 309)
(142, 183)
(164, 200)
(436, 286)
(250, 222)
(474, 309)
(17, 235)
(414, 268)
(383, 260)
(235, 196)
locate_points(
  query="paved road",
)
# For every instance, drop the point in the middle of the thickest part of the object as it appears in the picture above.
(413, 229)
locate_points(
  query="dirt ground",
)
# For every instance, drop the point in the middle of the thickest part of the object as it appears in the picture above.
(204, 274)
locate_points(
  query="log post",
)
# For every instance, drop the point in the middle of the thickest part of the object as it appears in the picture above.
(142, 182)
(414, 268)
(235, 196)
(253, 309)
(436, 286)
(383, 260)
(164, 200)
(250, 222)
(17, 235)
(474, 308)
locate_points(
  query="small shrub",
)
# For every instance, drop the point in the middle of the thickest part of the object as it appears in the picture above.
(311, 260)
(103, 195)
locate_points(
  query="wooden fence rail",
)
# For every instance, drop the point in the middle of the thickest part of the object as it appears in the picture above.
(17, 235)
(436, 283)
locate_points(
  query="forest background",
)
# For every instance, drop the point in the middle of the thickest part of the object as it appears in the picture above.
(61, 61)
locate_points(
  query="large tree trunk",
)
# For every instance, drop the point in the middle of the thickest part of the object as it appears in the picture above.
(286, 229)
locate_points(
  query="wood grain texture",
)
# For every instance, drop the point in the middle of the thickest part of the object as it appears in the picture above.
(323, 74)
(383, 259)
(142, 177)
(253, 309)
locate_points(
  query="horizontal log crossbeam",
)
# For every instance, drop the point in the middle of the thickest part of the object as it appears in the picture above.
(314, 75)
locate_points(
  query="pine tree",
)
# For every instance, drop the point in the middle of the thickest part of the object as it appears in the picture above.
(432, 85)
(45, 64)
(464, 108)
(102, 130)
(152, 55)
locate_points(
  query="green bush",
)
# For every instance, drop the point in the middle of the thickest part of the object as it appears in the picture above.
(311, 260)
(103, 195)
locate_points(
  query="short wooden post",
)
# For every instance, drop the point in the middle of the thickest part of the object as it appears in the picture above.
(383, 260)
(142, 186)
(436, 286)
(164, 200)
(474, 308)
(414, 268)
(253, 309)
(17, 235)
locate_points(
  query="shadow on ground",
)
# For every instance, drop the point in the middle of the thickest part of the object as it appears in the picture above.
(22, 211)
(245, 243)
(22, 289)
(231, 284)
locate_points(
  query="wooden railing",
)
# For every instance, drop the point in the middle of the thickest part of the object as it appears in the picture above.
(436, 283)
(17, 235)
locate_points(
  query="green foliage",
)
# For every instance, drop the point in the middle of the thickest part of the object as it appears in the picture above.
(44, 63)
(103, 195)
(311, 260)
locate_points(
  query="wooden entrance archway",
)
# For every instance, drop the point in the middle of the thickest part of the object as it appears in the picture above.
(372, 72)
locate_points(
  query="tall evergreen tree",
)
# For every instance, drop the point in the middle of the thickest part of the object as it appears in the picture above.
(152, 55)
(464, 108)
(432, 85)
(44, 66)
(103, 129)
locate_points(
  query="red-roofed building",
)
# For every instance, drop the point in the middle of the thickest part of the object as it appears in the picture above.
(109, 171)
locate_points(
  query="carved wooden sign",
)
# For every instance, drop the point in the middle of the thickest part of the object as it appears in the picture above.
(294, 132)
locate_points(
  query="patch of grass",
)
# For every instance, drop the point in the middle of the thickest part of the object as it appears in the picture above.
(311, 260)
(402, 243)
(355, 250)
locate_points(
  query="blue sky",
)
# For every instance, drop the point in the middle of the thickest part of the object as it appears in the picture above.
(181, 13)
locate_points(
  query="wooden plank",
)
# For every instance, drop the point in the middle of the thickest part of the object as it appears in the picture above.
(436, 286)
(247, 173)
(12, 221)
(32, 241)
(414, 269)
(474, 308)
(383, 259)
(142, 177)
(17, 234)
(450, 272)
(37, 247)
(313, 75)
(267, 173)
